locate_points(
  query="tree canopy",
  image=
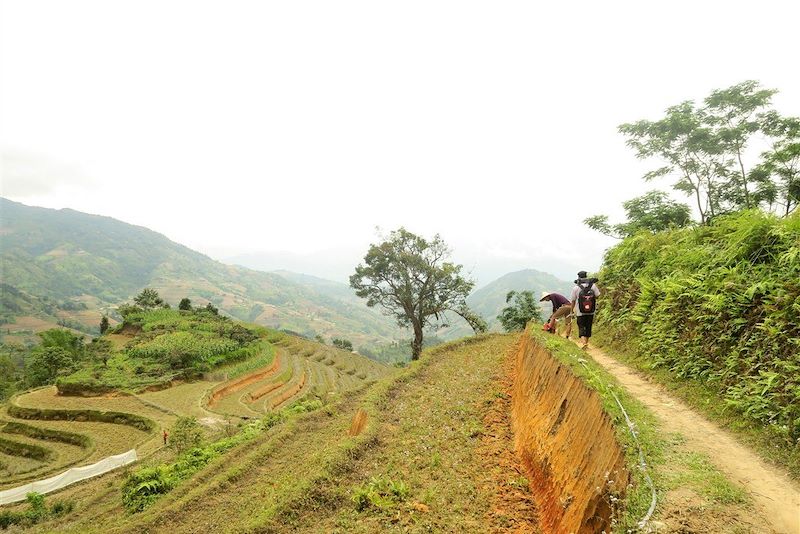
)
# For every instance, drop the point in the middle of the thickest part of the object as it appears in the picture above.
(653, 211)
(411, 279)
(520, 312)
(703, 148)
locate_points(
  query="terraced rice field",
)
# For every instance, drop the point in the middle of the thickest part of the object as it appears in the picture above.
(303, 368)
(300, 369)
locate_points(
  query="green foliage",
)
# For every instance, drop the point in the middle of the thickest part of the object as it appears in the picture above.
(719, 305)
(524, 309)
(12, 369)
(145, 485)
(186, 434)
(148, 299)
(171, 344)
(344, 344)
(653, 211)
(37, 511)
(50, 257)
(45, 364)
(185, 304)
(104, 325)
(181, 349)
(381, 493)
(409, 278)
(703, 147)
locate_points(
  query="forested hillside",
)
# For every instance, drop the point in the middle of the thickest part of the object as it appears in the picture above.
(69, 268)
(717, 304)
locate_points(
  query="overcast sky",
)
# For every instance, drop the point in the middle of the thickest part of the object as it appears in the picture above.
(298, 127)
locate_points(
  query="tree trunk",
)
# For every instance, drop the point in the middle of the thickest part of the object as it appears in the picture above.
(744, 179)
(416, 344)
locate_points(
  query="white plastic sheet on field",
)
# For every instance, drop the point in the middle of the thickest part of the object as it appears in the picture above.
(70, 476)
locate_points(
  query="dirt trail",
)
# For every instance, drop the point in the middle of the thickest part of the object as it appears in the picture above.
(775, 495)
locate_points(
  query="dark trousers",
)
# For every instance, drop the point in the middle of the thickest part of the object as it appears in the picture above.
(585, 325)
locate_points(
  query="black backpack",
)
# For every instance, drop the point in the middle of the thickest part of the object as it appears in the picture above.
(586, 298)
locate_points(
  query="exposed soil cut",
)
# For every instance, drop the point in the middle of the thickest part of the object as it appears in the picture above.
(289, 393)
(567, 444)
(241, 383)
(775, 495)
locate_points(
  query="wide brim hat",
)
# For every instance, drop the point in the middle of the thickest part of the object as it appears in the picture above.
(545, 294)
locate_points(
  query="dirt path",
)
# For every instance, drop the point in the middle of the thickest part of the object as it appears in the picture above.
(775, 495)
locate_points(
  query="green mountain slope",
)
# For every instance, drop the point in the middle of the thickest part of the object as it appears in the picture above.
(70, 267)
(490, 300)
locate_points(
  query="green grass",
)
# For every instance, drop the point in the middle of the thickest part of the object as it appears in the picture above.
(265, 353)
(697, 473)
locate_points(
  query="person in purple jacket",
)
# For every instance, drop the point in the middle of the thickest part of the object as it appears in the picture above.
(561, 308)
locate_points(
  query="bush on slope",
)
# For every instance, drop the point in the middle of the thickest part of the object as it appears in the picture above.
(719, 304)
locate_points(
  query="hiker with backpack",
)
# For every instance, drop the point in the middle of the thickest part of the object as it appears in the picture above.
(584, 302)
(561, 308)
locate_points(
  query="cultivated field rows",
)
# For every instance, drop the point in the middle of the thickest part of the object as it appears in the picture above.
(301, 369)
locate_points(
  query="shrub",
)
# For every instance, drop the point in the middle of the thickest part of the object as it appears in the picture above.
(717, 304)
(186, 434)
(380, 493)
(37, 511)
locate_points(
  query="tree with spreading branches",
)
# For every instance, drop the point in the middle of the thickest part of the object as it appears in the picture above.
(411, 279)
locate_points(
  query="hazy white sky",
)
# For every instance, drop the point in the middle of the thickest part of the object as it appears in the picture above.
(238, 127)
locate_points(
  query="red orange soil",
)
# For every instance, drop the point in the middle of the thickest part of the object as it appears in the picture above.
(230, 388)
(512, 508)
(775, 495)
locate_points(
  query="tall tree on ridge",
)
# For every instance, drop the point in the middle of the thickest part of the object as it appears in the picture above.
(411, 279)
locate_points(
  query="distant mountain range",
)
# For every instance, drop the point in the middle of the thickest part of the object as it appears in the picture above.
(67, 267)
(70, 268)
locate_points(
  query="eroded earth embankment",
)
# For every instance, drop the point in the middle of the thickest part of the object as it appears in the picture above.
(566, 441)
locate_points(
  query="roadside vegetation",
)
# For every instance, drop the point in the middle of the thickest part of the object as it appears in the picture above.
(710, 307)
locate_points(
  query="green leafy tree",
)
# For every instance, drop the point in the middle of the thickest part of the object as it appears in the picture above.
(653, 211)
(185, 304)
(186, 434)
(104, 325)
(344, 344)
(99, 350)
(148, 299)
(736, 114)
(703, 148)
(128, 309)
(687, 147)
(65, 339)
(520, 312)
(210, 308)
(779, 171)
(410, 278)
(8, 376)
(45, 364)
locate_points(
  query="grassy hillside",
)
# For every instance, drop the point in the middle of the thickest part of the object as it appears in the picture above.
(162, 365)
(716, 307)
(66, 267)
(489, 300)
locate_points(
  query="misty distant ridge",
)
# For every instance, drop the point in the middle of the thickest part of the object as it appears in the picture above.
(68, 267)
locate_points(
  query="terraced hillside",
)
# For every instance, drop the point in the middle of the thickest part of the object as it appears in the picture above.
(44, 431)
(495, 433)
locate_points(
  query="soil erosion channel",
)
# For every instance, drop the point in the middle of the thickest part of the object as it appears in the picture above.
(776, 497)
